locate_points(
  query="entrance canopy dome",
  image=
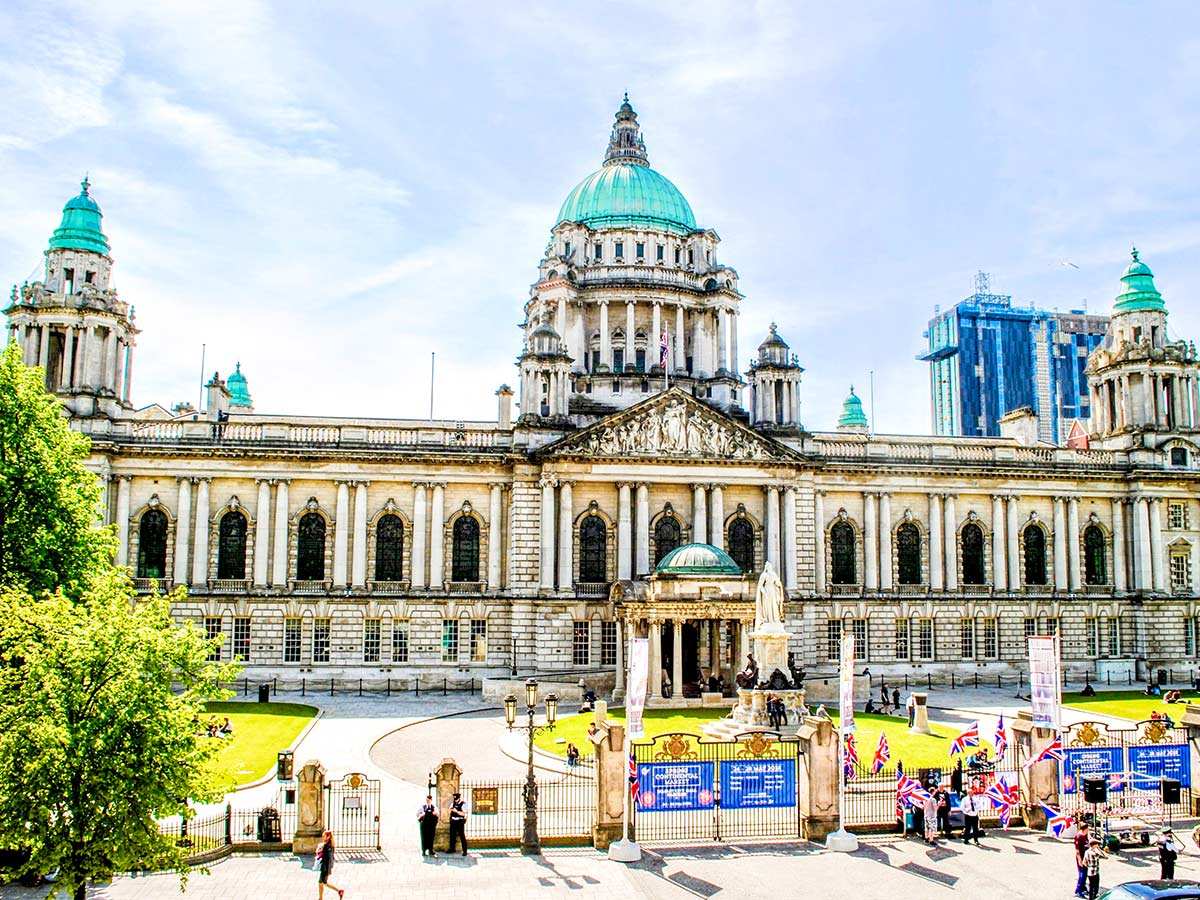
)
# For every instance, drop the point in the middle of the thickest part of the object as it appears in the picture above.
(698, 559)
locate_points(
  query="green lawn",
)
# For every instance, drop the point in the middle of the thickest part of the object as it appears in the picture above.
(1132, 705)
(914, 750)
(260, 731)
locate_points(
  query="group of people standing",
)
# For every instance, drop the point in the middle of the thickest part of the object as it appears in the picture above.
(889, 702)
(931, 816)
(428, 817)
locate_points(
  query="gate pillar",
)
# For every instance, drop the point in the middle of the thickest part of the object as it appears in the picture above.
(310, 807)
(612, 781)
(817, 784)
(1037, 783)
(448, 777)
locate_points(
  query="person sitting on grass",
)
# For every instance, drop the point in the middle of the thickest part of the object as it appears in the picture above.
(1173, 697)
(1088, 690)
(226, 728)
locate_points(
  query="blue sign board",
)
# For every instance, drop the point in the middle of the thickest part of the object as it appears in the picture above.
(757, 783)
(670, 787)
(1092, 762)
(1153, 762)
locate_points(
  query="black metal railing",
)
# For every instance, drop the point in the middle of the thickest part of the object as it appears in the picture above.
(566, 808)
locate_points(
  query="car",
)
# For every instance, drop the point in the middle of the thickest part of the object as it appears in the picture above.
(1171, 889)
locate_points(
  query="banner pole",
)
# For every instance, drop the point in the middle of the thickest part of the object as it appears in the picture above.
(842, 841)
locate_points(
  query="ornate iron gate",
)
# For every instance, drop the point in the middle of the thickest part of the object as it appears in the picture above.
(352, 811)
(689, 790)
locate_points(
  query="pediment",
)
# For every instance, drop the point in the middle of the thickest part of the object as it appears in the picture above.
(673, 425)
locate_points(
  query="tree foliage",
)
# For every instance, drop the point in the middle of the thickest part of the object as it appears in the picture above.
(49, 503)
(98, 699)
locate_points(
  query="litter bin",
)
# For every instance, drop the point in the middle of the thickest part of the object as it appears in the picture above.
(264, 693)
(1162, 678)
(283, 768)
(268, 826)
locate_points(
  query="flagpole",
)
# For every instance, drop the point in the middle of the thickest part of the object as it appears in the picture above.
(842, 841)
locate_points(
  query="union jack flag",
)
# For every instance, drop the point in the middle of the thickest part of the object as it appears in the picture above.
(635, 788)
(909, 791)
(1054, 750)
(969, 738)
(849, 757)
(882, 754)
(663, 347)
(1001, 739)
(1056, 821)
(1005, 798)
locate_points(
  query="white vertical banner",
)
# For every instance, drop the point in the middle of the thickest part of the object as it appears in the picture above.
(635, 694)
(1045, 681)
(846, 698)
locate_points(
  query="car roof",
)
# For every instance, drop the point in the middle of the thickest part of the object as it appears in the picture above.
(1163, 889)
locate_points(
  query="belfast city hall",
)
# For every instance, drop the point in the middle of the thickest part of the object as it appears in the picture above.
(646, 482)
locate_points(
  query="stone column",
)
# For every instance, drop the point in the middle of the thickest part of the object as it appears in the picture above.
(653, 351)
(885, 541)
(1118, 544)
(566, 534)
(1158, 557)
(183, 532)
(279, 576)
(619, 682)
(999, 557)
(1147, 399)
(420, 528)
(118, 371)
(630, 331)
(870, 542)
(495, 536)
(341, 534)
(128, 372)
(819, 540)
(437, 537)
(733, 339)
(1195, 388)
(606, 357)
(68, 357)
(744, 640)
(624, 533)
(677, 658)
(262, 531)
(723, 340)
(123, 485)
(1141, 544)
(680, 353)
(772, 517)
(716, 531)
(654, 662)
(935, 542)
(1073, 566)
(1014, 554)
(200, 553)
(44, 345)
(642, 542)
(699, 515)
(950, 537)
(788, 513)
(1060, 546)
(358, 573)
(546, 566)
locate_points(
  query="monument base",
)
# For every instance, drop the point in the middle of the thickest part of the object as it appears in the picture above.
(750, 714)
(771, 654)
(841, 841)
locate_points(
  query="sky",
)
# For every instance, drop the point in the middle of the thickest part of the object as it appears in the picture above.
(329, 193)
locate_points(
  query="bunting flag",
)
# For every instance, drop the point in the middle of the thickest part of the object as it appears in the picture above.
(1001, 739)
(1056, 821)
(882, 754)
(1054, 750)
(968, 738)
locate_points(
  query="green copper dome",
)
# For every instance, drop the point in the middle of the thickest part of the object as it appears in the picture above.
(626, 192)
(80, 228)
(239, 394)
(852, 413)
(698, 559)
(1137, 288)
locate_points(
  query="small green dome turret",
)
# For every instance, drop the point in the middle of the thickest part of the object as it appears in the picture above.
(852, 412)
(239, 393)
(697, 559)
(80, 228)
(1137, 288)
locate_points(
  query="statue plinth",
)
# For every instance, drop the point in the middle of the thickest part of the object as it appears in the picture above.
(771, 653)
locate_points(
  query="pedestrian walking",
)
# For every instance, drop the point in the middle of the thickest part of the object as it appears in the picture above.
(1169, 847)
(943, 811)
(324, 863)
(910, 706)
(427, 815)
(572, 755)
(1091, 860)
(1083, 840)
(458, 823)
(972, 806)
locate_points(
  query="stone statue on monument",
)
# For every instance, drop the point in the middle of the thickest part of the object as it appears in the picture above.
(768, 602)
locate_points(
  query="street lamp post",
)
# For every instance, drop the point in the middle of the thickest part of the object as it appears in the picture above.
(529, 840)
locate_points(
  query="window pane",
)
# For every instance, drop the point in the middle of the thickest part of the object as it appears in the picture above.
(902, 639)
(241, 638)
(400, 641)
(833, 636)
(967, 631)
(1035, 555)
(212, 629)
(1094, 563)
(925, 638)
(371, 639)
(465, 565)
(479, 640)
(581, 644)
(908, 551)
(320, 641)
(310, 549)
(291, 640)
(841, 539)
(449, 640)
(152, 545)
(231, 546)
(991, 649)
(666, 537)
(972, 555)
(608, 643)
(593, 550)
(741, 544)
(389, 549)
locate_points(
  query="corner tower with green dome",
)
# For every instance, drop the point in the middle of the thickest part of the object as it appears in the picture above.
(626, 269)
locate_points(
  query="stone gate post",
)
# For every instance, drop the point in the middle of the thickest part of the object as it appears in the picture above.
(1037, 783)
(817, 781)
(310, 807)
(449, 777)
(612, 781)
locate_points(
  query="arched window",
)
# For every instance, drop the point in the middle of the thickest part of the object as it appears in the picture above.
(841, 540)
(741, 544)
(389, 548)
(667, 536)
(231, 546)
(908, 553)
(465, 558)
(310, 548)
(152, 545)
(1095, 570)
(1035, 555)
(972, 554)
(593, 550)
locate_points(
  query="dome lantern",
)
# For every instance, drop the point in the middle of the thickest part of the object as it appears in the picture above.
(80, 227)
(852, 418)
(1137, 288)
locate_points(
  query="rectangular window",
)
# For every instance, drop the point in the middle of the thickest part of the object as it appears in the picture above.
(620, 254)
(581, 644)
(1092, 626)
(925, 638)
(566, 248)
(676, 256)
(400, 641)
(640, 359)
(241, 638)
(619, 360)
(660, 253)
(902, 649)
(608, 643)
(1189, 637)
(320, 641)
(479, 640)
(1177, 516)
(1030, 629)
(1114, 636)
(598, 251)
(68, 281)
(212, 630)
(1179, 456)
(833, 636)
(1051, 626)
(1181, 571)
(991, 645)
(858, 627)
(641, 250)
(372, 636)
(691, 257)
(291, 640)
(966, 629)
(449, 640)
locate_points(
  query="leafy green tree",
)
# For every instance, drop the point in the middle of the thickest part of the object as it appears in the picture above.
(98, 737)
(49, 503)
